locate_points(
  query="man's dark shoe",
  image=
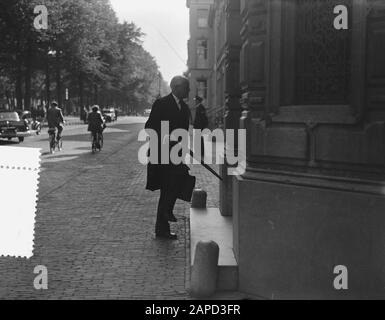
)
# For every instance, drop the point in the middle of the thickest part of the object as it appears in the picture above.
(172, 218)
(168, 236)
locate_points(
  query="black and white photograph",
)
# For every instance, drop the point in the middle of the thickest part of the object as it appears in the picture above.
(218, 151)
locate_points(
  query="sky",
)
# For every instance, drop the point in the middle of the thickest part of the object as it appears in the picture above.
(166, 25)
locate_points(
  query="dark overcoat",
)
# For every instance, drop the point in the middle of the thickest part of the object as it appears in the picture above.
(201, 121)
(166, 109)
(95, 122)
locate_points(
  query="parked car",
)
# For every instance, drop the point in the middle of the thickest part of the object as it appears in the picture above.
(109, 114)
(34, 124)
(11, 126)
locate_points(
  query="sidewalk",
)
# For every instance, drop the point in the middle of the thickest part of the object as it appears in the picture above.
(95, 235)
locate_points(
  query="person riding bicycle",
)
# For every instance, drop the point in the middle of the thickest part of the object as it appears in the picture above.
(96, 123)
(55, 119)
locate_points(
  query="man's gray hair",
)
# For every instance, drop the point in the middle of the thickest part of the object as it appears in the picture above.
(177, 81)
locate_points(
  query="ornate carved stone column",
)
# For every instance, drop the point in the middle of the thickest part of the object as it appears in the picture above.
(313, 194)
(252, 82)
(232, 92)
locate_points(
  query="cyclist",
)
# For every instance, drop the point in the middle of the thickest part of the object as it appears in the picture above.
(55, 120)
(96, 124)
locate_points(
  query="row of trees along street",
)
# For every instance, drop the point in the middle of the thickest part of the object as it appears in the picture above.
(85, 51)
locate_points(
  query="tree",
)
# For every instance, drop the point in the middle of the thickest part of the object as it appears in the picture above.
(85, 49)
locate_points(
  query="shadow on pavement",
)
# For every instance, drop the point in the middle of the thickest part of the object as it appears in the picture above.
(8, 143)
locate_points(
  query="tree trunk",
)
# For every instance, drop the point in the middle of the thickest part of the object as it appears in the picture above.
(18, 85)
(81, 98)
(48, 83)
(95, 93)
(27, 78)
(13, 100)
(58, 82)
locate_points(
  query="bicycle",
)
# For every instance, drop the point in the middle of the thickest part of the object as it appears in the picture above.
(55, 141)
(97, 141)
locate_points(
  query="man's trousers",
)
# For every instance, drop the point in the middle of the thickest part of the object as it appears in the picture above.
(171, 186)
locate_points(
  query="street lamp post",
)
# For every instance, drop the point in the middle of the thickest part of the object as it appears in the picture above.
(58, 81)
(67, 101)
(57, 54)
(50, 54)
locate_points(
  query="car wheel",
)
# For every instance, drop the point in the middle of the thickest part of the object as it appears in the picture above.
(21, 139)
(38, 130)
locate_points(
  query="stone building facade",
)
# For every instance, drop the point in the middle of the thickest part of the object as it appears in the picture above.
(200, 52)
(312, 99)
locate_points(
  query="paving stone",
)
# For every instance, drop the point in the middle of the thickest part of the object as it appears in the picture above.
(94, 232)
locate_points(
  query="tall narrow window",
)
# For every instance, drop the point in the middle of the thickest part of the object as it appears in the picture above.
(202, 55)
(203, 17)
(202, 88)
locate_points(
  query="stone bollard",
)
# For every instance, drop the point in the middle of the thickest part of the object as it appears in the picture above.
(199, 199)
(205, 269)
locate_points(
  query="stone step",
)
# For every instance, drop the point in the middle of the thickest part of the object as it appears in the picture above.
(209, 224)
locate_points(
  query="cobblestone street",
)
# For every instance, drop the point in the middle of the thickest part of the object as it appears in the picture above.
(94, 227)
(277, 107)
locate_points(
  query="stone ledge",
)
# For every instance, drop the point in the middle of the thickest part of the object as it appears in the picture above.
(209, 224)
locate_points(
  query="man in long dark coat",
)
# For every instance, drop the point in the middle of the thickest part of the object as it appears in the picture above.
(170, 178)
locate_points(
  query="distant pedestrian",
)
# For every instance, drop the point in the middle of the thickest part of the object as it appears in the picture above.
(84, 115)
(201, 121)
(41, 112)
